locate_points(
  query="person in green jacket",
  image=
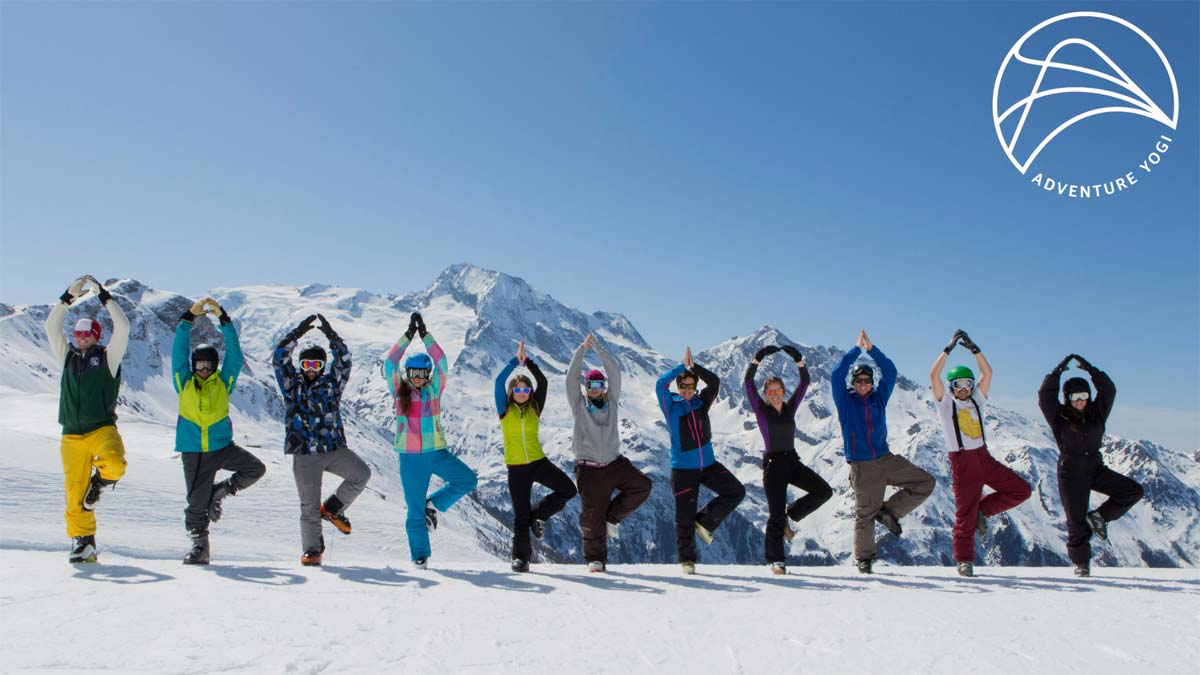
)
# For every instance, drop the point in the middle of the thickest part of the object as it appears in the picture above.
(93, 454)
(520, 406)
(204, 432)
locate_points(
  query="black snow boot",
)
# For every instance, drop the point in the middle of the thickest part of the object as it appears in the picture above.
(519, 565)
(538, 528)
(97, 485)
(1098, 525)
(430, 516)
(889, 521)
(221, 490)
(199, 553)
(864, 566)
(83, 549)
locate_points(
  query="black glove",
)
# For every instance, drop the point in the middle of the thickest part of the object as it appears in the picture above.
(67, 298)
(307, 324)
(765, 352)
(104, 295)
(1084, 363)
(958, 334)
(967, 342)
(793, 352)
(421, 330)
(1062, 365)
(325, 327)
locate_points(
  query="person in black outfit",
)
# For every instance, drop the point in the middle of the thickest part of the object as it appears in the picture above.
(781, 465)
(1078, 428)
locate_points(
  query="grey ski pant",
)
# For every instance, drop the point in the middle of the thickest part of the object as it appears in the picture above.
(308, 470)
(869, 479)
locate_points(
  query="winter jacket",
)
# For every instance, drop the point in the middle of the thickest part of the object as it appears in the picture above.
(1077, 434)
(596, 436)
(863, 420)
(313, 410)
(418, 421)
(519, 424)
(90, 379)
(778, 428)
(204, 424)
(687, 420)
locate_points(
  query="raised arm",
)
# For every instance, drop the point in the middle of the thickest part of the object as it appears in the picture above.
(793, 402)
(712, 384)
(54, 331)
(612, 370)
(837, 378)
(181, 348)
(1106, 390)
(119, 342)
(887, 380)
(935, 376)
(985, 374)
(574, 394)
(752, 396)
(281, 359)
(391, 362)
(440, 368)
(232, 368)
(501, 390)
(1048, 392)
(662, 388)
(542, 385)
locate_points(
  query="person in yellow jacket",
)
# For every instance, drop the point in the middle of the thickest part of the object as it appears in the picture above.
(204, 432)
(520, 405)
(93, 454)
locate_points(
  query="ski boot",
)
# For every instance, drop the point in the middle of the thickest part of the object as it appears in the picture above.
(312, 557)
(421, 563)
(221, 490)
(688, 567)
(966, 569)
(199, 553)
(1084, 570)
(519, 565)
(332, 510)
(704, 533)
(778, 568)
(430, 516)
(1098, 525)
(788, 532)
(864, 566)
(83, 549)
(613, 530)
(538, 528)
(885, 518)
(981, 525)
(597, 566)
(96, 486)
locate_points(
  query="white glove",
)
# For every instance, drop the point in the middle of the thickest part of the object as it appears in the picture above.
(76, 287)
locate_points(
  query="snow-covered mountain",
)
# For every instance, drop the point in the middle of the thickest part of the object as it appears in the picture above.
(479, 316)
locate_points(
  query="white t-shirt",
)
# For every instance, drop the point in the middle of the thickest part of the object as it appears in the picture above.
(970, 419)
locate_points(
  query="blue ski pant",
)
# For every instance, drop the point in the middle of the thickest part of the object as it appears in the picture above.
(415, 471)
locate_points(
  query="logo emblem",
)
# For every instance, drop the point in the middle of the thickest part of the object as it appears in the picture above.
(94, 362)
(1068, 70)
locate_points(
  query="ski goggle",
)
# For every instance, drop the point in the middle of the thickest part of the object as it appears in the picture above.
(1079, 396)
(204, 365)
(962, 383)
(521, 390)
(312, 364)
(864, 380)
(417, 373)
(775, 391)
(597, 385)
(81, 334)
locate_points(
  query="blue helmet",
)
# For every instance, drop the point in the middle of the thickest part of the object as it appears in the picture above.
(418, 365)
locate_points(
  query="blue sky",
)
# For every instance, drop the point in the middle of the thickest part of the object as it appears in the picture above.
(702, 168)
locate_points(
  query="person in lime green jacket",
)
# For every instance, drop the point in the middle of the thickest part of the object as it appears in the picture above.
(204, 432)
(520, 406)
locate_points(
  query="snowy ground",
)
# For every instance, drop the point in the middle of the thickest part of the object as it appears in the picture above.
(256, 610)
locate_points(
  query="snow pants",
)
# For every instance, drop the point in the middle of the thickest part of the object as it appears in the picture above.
(597, 506)
(781, 469)
(686, 485)
(1078, 477)
(521, 478)
(101, 448)
(415, 471)
(308, 469)
(869, 479)
(970, 471)
(199, 470)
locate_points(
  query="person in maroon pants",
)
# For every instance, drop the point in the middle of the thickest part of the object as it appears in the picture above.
(971, 466)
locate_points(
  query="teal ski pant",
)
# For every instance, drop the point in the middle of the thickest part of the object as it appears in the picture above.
(415, 472)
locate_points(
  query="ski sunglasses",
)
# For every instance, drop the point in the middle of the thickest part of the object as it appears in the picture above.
(963, 383)
(686, 387)
(312, 364)
(864, 380)
(521, 390)
(775, 390)
(1080, 396)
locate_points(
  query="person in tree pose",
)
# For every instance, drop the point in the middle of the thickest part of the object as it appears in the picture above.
(1078, 427)
(692, 461)
(971, 466)
(600, 468)
(314, 435)
(519, 405)
(781, 465)
(93, 454)
(419, 441)
(862, 413)
(204, 432)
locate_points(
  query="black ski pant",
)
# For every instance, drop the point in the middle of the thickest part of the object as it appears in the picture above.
(781, 469)
(597, 506)
(1078, 477)
(521, 478)
(686, 484)
(199, 470)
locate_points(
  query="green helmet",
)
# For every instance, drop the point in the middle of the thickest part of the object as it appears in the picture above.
(959, 373)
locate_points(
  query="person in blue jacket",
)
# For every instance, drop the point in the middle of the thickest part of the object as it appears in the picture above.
(692, 460)
(862, 413)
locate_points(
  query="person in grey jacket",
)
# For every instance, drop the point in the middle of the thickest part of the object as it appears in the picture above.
(599, 466)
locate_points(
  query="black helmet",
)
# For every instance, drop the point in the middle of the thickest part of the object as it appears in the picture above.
(862, 369)
(205, 352)
(1076, 385)
(313, 353)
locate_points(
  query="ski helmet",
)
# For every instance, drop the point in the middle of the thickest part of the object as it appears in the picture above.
(862, 369)
(1076, 385)
(313, 353)
(960, 373)
(418, 365)
(205, 352)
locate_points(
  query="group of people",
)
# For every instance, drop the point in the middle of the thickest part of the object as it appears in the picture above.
(609, 486)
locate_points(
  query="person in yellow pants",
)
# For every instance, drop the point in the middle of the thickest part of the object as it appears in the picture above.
(93, 454)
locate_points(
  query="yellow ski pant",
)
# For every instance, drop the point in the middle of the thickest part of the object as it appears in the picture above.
(102, 449)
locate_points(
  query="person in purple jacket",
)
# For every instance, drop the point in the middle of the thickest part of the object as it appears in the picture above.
(781, 465)
(862, 413)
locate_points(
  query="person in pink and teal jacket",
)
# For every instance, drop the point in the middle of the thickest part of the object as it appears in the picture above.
(420, 443)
